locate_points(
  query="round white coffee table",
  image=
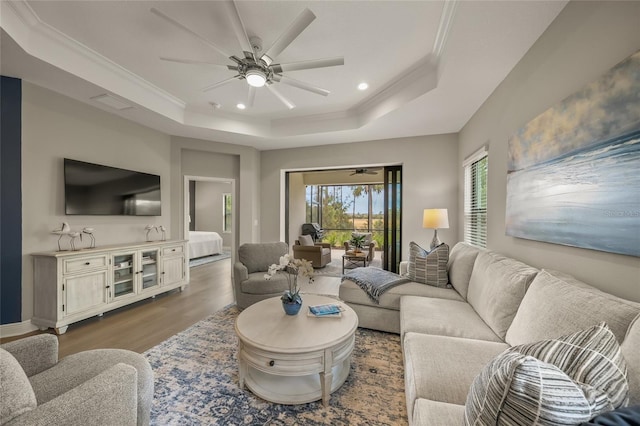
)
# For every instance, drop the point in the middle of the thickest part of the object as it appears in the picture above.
(294, 359)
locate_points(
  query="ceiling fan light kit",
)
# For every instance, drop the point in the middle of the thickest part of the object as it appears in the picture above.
(256, 78)
(260, 71)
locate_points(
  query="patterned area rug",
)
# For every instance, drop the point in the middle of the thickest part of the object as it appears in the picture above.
(208, 259)
(196, 382)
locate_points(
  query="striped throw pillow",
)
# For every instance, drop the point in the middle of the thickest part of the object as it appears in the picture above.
(567, 380)
(591, 356)
(428, 267)
(519, 390)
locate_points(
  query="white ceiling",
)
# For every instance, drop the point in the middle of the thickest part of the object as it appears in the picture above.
(429, 64)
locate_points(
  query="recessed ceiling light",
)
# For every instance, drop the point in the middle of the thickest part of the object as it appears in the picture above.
(241, 106)
(363, 86)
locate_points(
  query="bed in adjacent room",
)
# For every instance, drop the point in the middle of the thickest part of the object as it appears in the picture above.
(204, 243)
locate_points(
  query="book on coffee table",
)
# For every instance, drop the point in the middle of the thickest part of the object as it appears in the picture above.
(327, 310)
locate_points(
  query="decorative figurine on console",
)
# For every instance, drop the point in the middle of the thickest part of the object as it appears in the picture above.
(65, 230)
(89, 232)
(160, 229)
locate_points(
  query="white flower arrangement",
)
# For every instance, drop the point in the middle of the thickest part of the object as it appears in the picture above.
(293, 268)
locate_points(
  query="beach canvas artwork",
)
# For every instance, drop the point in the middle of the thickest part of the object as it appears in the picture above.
(574, 171)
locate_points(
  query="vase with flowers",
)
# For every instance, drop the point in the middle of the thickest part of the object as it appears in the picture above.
(292, 269)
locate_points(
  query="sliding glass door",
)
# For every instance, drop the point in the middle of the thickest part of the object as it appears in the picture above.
(392, 246)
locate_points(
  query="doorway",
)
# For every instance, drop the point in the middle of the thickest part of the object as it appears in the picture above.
(209, 217)
(344, 200)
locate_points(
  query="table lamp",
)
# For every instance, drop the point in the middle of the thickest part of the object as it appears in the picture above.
(434, 219)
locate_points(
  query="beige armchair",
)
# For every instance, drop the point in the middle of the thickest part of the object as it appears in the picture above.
(319, 254)
(369, 245)
(101, 386)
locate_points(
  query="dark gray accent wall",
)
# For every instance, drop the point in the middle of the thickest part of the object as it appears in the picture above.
(10, 200)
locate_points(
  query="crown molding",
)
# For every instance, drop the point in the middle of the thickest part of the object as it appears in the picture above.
(48, 44)
(444, 27)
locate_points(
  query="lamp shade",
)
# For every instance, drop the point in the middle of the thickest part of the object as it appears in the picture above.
(435, 219)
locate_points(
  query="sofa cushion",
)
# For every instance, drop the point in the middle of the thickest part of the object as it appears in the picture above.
(442, 368)
(631, 353)
(256, 284)
(496, 288)
(435, 413)
(443, 317)
(519, 389)
(428, 267)
(350, 292)
(557, 304)
(305, 240)
(460, 265)
(73, 370)
(259, 256)
(627, 416)
(591, 357)
(17, 394)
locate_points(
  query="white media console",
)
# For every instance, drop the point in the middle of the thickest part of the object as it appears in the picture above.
(70, 286)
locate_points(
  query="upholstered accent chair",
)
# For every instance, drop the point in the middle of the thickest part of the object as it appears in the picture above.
(319, 254)
(369, 244)
(102, 386)
(254, 259)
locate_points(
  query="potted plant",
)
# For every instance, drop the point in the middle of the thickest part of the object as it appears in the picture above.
(292, 268)
(357, 242)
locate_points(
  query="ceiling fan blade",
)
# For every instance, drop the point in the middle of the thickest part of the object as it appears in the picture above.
(191, 61)
(252, 96)
(279, 95)
(301, 85)
(298, 26)
(187, 30)
(238, 28)
(221, 83)
(306, 65)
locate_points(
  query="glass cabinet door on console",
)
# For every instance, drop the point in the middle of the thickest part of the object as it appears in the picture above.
(124, 274)
(149, 269)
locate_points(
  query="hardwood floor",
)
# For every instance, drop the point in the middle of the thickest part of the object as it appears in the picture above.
(142, 325)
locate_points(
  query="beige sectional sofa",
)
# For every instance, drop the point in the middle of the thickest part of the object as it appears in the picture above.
(450, 334)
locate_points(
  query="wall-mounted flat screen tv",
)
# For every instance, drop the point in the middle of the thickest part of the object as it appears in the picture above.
(94, 189)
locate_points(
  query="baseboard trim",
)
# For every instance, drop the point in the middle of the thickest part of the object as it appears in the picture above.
(17, 328)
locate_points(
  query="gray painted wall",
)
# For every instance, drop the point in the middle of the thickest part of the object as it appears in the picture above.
(429, 172)
(585, 40)
(195, 157)
(55, 127)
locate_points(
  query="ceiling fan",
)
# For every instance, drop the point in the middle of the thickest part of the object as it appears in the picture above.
(259, 69)
(370, 171)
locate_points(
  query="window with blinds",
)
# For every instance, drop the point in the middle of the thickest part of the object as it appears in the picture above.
(475, 199)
